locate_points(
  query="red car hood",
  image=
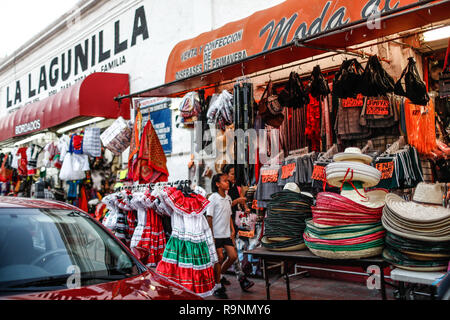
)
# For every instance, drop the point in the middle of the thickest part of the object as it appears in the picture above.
(147, 286)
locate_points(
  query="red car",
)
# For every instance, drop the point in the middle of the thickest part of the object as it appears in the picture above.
(51, 250)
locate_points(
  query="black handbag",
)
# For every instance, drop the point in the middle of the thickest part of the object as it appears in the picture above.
(375, 80)
(319, 85)
(416, 90)
(298, 96)
(347, 81)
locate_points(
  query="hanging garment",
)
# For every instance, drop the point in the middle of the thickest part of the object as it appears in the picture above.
(22, 162)
(312, 130)
(190, 253)
(347, 122)
(379, 112)
(134, 145)
(83, 203)
(76, 144)
(152, 237)
(420, 126)
(151, 164)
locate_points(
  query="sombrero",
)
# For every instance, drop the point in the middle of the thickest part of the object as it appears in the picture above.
(373, 199)
(431, 193)
(290, 244)
(354, 155)
(285, 221)
(396, 260)
(415, 212)
(339, 172)
(333, 210)
(292, 186)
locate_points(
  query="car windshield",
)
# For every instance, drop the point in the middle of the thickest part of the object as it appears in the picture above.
(48, 249)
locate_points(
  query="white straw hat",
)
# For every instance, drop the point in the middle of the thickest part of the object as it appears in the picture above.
(431, 193)
(292, 186)
(336, 172)
(354, 155)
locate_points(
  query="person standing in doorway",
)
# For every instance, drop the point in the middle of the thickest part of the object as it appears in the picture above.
(237, 201)
(219, 219)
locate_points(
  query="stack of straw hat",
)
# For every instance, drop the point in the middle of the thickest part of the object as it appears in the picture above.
(285, 221)
(348, 226)
(418, 235)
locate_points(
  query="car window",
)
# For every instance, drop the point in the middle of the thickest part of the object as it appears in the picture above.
(41, 244)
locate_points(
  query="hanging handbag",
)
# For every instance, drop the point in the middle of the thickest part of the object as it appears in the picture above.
(347, 81)
(269, 102)
(375, 80)
(117, 137)
(270, 108)
(67, 170)
(319, 86)
(92, 145)
(416, 90)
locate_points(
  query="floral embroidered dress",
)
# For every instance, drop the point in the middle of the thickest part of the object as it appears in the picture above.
(190, 253)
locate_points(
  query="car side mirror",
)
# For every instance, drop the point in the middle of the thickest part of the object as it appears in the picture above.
(140, 253)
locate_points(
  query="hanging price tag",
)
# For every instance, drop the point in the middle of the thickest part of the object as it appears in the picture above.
(269, 176)
(319, 173)
(379, 107)
(247, 234)
(386, 169)
(353, 103)
(287, 170)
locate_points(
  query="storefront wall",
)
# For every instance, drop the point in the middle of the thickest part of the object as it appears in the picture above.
(134, 37)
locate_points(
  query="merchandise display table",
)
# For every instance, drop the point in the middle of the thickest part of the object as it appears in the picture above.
(416, 277)
(306, 256)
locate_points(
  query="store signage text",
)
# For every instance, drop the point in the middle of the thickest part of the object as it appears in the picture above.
(28, 127)
(89, 53)
(284, 26)
(193, 57)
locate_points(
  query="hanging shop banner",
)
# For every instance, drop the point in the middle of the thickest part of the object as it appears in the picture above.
(269, 29)
(158, 111)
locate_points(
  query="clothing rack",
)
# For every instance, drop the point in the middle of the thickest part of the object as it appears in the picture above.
(297, 153)
(151, 185)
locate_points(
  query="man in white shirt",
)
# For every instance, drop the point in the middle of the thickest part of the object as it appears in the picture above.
(219, 219)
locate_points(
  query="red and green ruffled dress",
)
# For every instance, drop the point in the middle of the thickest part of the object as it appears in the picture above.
(190, 253)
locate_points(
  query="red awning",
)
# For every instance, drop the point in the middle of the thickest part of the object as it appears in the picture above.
(408, 15)
(91, 97)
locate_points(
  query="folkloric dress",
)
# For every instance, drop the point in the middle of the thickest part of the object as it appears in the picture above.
(190, 253)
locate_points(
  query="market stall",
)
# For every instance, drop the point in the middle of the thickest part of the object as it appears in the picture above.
(348, 108)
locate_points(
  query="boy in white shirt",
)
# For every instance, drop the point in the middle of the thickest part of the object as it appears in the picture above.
(219, 219)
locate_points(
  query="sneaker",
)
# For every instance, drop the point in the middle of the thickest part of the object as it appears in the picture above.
(220, 293)
(245, 283)
(224, 281)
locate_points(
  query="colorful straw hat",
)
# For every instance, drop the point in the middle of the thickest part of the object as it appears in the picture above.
(345, 241)
(354, 155)
(373, 199)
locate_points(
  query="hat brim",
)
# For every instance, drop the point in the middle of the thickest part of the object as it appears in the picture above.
(347, 156)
